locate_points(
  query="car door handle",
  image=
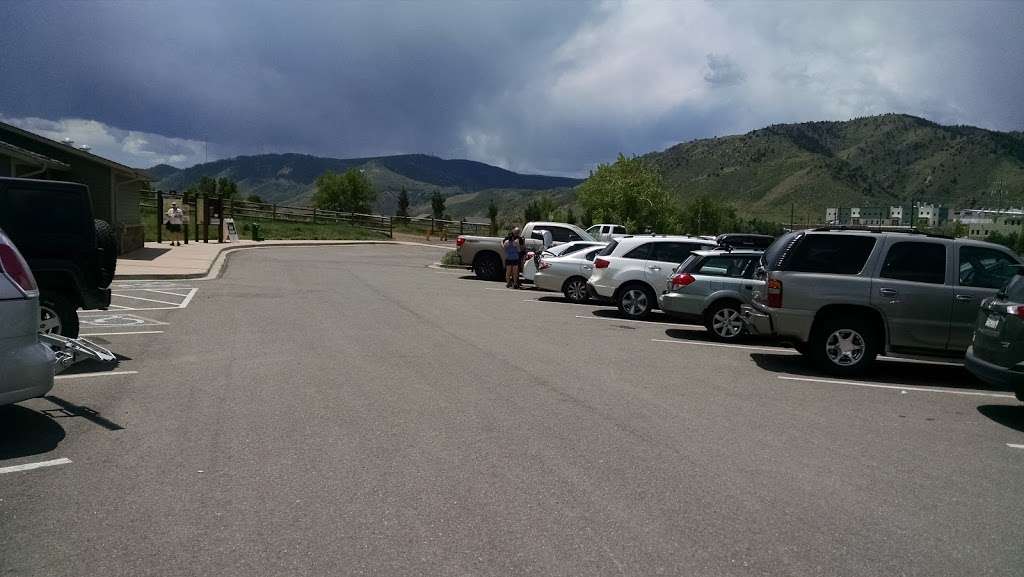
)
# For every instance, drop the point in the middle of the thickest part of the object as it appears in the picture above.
(654, 267)
(586, 267)
(964, 298)
(888, 292)
(748, 287)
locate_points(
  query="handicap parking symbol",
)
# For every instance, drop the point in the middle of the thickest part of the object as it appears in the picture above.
(118, 320)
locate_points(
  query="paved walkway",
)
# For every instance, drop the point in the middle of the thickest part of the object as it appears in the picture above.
(198, 259)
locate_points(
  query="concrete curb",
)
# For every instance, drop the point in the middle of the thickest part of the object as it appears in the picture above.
(217, 265)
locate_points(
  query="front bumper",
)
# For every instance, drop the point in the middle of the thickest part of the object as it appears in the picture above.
(994, 374)
(757, 322)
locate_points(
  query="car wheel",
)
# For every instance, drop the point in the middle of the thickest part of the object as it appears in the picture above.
(844, 346)
(575, 289)
(106, 246)
(57, 315)
(724, 322)
(488, 267)
(636, 301)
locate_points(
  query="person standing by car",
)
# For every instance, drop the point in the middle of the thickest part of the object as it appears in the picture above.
(514, 246)
(174, 220)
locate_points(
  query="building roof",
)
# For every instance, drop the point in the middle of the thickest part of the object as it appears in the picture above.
(30, 157)
(140, 174)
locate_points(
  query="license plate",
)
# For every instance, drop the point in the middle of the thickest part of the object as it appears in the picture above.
(992, 322)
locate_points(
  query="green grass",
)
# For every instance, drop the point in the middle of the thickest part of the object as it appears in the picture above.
(277, 230)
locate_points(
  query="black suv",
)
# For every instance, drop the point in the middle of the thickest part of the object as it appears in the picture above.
(71, 255)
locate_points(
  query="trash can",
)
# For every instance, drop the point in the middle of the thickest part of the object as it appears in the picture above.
(255, 228)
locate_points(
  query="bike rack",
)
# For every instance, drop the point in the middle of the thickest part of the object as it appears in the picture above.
(68, 352)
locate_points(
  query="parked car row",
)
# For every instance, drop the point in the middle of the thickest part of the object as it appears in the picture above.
(840, 295)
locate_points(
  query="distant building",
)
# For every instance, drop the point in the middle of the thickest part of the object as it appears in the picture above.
(979, 223)
(926, 215)
(113, 187)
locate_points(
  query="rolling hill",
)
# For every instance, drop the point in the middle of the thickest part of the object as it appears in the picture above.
(878, 160)
(871, 161)
(289, 179)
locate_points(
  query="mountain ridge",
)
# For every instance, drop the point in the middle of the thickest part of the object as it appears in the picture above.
(289, 178)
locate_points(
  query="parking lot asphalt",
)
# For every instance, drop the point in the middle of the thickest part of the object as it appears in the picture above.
(351, 411)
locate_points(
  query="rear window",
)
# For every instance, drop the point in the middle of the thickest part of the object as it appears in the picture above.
(609, 249)
(1014, 290)
(642, 252)
(830, 254)
(773, 256)
(618, 230)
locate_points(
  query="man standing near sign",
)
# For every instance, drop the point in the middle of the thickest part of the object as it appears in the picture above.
(174, 220)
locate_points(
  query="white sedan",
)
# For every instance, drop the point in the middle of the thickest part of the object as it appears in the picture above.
(532, 260)
(567, 274)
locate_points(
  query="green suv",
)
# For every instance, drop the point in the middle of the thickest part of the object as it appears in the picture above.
(997, 354)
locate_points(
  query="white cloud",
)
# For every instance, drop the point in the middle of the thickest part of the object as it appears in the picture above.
(130, 147)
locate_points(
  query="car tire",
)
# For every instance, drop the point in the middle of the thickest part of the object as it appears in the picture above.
(106, 246)
(57, 315)
(636, 301)
(724, 322)
(488, 267)
(575, 289)
(844, 345)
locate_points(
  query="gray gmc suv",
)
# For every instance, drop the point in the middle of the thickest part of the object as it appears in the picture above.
(844, 295)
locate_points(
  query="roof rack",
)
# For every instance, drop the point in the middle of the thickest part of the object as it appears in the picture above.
(865, 228)
(906, 229)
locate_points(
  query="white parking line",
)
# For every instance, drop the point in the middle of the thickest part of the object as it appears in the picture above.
(188, 299)
(97, 374)
(894, 387)
(726, 345)
(618, 320)
(164, 292)
(128, 333)
(1014, 446)
(36, 465)
(144, 299)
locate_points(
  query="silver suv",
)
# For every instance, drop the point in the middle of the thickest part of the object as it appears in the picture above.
(845, 295)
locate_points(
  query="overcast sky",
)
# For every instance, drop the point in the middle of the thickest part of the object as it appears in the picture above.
(539, 87)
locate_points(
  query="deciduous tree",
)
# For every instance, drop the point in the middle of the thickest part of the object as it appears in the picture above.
(351, 191)
(628, 192)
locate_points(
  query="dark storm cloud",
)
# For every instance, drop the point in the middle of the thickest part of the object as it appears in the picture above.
(553, 87)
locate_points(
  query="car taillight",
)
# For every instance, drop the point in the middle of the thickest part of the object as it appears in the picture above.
(530, 255)
(543, 265)
(1015, 310)
(15, 267)
(773, 288)
(460, 241)
(684, 279)
(601, 263)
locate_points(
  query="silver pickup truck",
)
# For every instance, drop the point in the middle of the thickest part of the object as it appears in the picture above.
(483, 254)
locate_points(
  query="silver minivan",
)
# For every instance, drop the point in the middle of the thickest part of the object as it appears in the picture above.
(26, 364)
